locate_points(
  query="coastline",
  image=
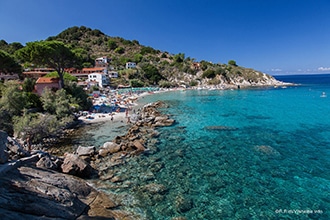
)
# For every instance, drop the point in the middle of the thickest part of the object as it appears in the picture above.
(136, 104)
(109, 161)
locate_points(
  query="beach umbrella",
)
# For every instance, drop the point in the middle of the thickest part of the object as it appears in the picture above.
(96, 107)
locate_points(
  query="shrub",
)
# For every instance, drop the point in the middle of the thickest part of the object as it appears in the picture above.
(210, 74)
(165, 84)
(232, 62)
(146, 50)
(112, 44)
(136, 83)
(120, 50)
(193, 83)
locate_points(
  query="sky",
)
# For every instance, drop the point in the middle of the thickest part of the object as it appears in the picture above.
(273, 36)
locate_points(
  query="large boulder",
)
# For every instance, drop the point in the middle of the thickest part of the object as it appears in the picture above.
(76, 166)
(86, 151)
(139, 146)
(164, 123)
(49, 162)
(34, 193)
(3, 147)
(109, 148)
(16, 150)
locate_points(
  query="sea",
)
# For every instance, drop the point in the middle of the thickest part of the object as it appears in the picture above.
(259, 153)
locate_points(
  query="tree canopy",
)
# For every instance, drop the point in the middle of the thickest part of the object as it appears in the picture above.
(8, 63)
(53, 54)
(232, 62)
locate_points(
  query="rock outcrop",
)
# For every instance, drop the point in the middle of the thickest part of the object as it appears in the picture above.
(3, 147)
(76, 166)
(140, 134)
(37, 185)
(28, 192)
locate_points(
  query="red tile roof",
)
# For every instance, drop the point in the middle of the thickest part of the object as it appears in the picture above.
(47, 80)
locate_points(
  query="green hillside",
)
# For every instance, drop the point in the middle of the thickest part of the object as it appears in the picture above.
(154, 67)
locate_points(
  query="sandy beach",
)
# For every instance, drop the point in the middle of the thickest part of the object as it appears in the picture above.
(103, 117)
(131, 102)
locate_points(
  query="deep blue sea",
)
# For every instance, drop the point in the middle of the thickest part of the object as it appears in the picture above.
(260, 153)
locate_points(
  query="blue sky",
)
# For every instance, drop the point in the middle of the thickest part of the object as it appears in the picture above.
(273, 36)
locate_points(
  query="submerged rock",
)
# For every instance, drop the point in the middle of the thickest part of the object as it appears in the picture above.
(183, 204)
(155, 188)
(220, 128)
(267, 150)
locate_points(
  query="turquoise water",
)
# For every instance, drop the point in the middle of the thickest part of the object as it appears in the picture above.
(261, 153)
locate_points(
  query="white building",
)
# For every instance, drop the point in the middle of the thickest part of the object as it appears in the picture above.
(113, 74)
(130, 65)
(102, 62)
(98, 78)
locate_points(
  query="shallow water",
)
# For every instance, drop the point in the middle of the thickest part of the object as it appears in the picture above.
(242, 154)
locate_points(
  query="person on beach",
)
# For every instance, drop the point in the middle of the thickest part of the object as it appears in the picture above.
(126, 111)
(29, 143)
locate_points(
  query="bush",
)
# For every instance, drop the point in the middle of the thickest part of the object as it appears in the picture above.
(146, 50)
(163, 55)
(66, 76)
(210, 74)
(138, 58)
(112, 44)
(165, 84)
(193, 83)
(179, 58)
(232, 62)
(151, 73)
(136, 83)
(36, 126)
(120, 50)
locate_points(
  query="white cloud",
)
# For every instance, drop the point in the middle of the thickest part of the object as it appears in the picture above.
(276, 70)
(323, 68)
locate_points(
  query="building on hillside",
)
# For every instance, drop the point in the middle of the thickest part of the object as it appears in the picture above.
(5, 77)
(35, 73)
(82, 74)
(49, 82)
(196, 66)
(86, 71)
(130, 65)
(98, 78)
(113, 74)
(102, 61)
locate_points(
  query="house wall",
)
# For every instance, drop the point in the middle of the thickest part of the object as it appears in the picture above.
(41, 86)
(130, 65)
(101, 79)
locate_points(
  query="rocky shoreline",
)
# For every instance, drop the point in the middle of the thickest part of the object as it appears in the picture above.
(38, 185)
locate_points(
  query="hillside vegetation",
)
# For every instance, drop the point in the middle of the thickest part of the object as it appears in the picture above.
(155, 67)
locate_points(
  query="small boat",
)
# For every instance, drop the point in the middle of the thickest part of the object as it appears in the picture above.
(323, 95)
